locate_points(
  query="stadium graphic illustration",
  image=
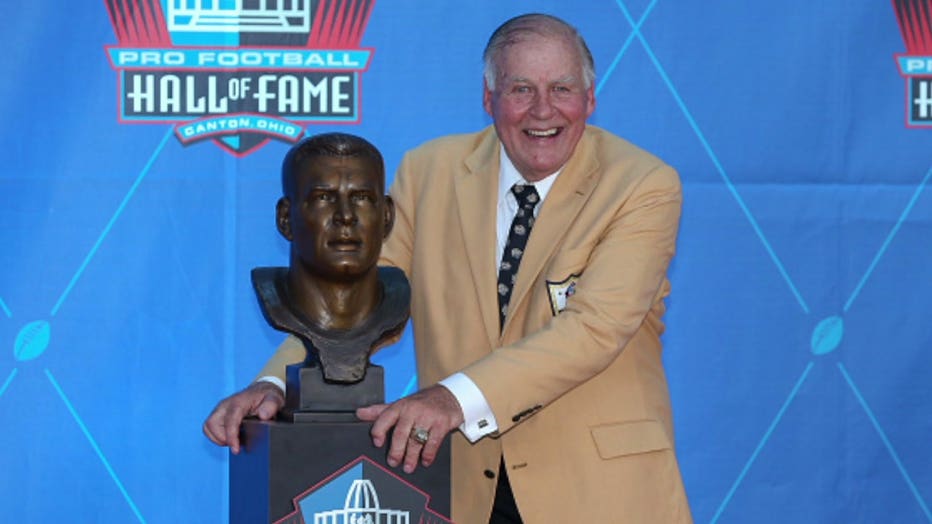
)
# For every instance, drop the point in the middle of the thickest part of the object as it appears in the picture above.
(363, 492)
(240, 16)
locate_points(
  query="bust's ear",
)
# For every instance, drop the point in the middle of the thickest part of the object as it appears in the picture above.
(389, 215)
(283, 217)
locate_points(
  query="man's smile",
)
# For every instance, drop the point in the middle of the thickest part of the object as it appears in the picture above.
(543, 133)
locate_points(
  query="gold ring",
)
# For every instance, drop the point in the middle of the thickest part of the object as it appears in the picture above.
(420, 435)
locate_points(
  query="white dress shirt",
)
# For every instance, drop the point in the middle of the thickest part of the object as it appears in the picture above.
(479, 420)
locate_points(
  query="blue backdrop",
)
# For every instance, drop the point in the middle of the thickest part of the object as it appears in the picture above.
(798, 324)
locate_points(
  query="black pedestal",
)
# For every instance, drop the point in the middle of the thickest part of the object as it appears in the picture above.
(330, 473)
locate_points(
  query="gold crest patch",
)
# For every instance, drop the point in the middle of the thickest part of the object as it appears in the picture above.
(560, 291)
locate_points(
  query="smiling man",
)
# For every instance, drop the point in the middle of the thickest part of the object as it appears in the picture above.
(538, 103)
(537, 251)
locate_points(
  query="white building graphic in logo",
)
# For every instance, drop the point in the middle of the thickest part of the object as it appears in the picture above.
(236, 16)
(362, 507)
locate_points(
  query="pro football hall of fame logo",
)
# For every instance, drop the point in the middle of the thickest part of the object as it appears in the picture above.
(915, 19)
(239, 72)
(357, 494)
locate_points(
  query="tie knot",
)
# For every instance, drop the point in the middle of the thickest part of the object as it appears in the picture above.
(526, 194)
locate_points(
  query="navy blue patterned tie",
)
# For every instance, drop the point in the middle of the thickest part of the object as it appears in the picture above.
(514, 249)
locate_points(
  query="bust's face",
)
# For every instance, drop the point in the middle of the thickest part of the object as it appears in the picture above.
(339, 216)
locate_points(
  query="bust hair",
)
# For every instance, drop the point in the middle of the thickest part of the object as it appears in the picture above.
(328, 145)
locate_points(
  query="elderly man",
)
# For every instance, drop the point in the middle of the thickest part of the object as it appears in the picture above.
(537, 251)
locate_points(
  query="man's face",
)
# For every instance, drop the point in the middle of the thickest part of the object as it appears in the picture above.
(339, 216)
(540, 104)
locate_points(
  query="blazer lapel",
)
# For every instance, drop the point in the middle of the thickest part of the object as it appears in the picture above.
(566, 198)
(476, 201)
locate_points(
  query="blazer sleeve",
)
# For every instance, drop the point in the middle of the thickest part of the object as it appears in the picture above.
(399, 246)
(290, 351)
(618, 287)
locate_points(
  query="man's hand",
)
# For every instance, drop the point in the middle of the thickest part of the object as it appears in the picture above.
(262, 399)
(434, 409)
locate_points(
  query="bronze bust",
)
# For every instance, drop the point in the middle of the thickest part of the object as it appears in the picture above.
(333, 296)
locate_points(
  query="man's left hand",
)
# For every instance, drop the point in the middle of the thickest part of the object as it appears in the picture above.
(434, 409)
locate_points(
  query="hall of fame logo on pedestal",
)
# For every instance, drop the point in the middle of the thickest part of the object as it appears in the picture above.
(915, 20)
(363, 492)
(239, 72)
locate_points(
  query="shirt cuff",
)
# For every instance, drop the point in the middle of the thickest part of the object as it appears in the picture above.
(478, 419)
(274, 380)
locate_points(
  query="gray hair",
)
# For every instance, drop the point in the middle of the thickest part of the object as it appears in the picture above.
(520, 27)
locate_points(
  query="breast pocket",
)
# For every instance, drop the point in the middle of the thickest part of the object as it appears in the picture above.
(562, 276)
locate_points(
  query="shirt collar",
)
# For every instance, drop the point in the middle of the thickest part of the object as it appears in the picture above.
(508, 176)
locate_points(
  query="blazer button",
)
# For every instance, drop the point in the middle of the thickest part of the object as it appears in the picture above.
(489, 474)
